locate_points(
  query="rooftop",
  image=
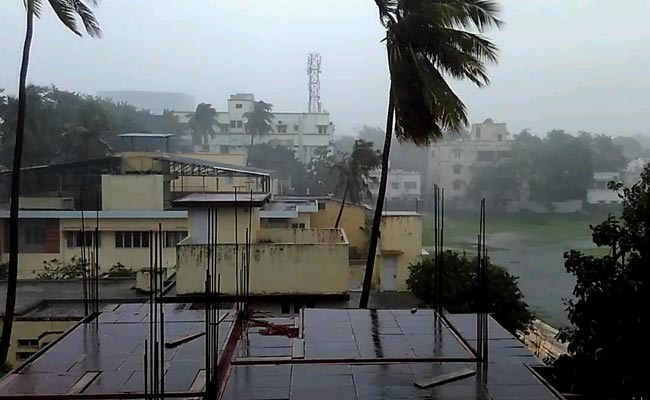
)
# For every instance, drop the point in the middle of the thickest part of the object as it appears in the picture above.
(400, 214)
(146, 135)
(232, 199)
(92, 214)
(319, 354)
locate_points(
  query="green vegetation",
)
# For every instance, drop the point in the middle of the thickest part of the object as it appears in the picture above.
(506, 302)
(119, 270)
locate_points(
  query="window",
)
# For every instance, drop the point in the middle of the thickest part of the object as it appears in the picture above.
(298, 226)
(76, 239)
(34, 235)
(394, 185)
(173, 238)
(457, 169)
(225, 128)
(486, 155)
(238, 105)
(24, 355)
(457, 153)
(322, 129)
(457, 185)
(282, 129)
(239, 124)
(128, 239)
(224, 149)
(296, 307)
(499, 137)
(410, 185)
(233, 124)
(28, 343)
(296, 128)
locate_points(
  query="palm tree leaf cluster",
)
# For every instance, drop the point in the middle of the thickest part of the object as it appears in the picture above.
(202, 122)
(260, 120)
(68, 11)
(428, 40)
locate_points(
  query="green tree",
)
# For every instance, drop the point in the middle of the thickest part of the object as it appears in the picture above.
(606, 155)
(609, 316)
(354, 173)
(86, 138)
(202, 123)
(260, 120)
(506, 303)
(282, 160)
(321, 179)
(67, 11)
(426, 41)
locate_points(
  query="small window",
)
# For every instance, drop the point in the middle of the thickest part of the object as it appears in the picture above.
(298, 226)
(238, 105)
(224, 128)
(457, 185)
(282, 129)
(296, 128)
(457, 153)
(128, 239)
(394, 185)
(457, 169)
(410, 185)
(285, 307)
(78, 239)
(224, 149)
(28, 343)
(233, 124)
(24, 355)
(296, 307)
(173, 238)
(322, 129)
(499, 137)
(239, 124)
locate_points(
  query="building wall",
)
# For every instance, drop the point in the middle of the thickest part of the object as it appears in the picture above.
(400, 184)
(401, 236)
(311, 236)
(27, 329)
(133, 192)
(198, 225)
(199, 184)
(353, 221)
(231, 158)
(275, 268)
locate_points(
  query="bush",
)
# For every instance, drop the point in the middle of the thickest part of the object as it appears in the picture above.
(61, 270)
(506, 302)
(4, 271)
(119, 270)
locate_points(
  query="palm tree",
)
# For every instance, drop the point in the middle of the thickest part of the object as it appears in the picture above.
(426, 40)
(260, 120)
(67, 11)
(202, 123)
(354, 173)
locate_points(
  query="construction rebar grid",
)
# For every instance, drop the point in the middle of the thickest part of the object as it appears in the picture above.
(89, 259)
(481, 298)
(154, 346)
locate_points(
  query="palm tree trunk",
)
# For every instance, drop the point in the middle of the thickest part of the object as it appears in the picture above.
(376, 222)
(251, 146)
(12, 277)
(345, 195)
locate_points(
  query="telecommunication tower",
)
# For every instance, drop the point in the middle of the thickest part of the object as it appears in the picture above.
(313, 71)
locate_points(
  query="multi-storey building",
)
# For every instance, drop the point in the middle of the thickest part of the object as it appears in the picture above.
(302, 131)
(452, 164)
(401, 185)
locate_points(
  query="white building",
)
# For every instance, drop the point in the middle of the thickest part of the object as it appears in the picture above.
(401, 184)
(452, 163)
(304, 132)
(600, 193)
(632, 172)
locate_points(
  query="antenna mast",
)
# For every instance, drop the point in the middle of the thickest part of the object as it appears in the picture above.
(313, 71)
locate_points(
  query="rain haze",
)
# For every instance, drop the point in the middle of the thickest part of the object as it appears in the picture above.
(573, 65)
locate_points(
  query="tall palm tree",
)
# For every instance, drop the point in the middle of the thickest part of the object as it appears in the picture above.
(354, 173)
(260, 120)
(202, 123)
(427, 41)
(67, 11)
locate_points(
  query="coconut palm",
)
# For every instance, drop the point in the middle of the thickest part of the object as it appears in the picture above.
(202, 123)
(428, 41)
(354, 173)
(260, 120)
(68, 11)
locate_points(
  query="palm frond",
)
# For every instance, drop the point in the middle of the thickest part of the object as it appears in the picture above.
(66, 14)
(37, 6)
(87, 17)
(68, 10)
(387, 11)
(476, 14)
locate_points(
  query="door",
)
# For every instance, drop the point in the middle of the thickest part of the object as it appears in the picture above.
(389, 273)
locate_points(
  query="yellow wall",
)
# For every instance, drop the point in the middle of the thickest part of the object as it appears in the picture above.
(141, 162)
(23, 329)
(312, 236)
(133, 192)
(275, 268)
(214, 184)
(226, 158)
(401, 236)
(31, 264)
(225, 225)
(303, 218)
(353, 221)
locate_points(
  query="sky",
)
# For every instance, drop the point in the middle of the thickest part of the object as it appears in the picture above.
(564, 64)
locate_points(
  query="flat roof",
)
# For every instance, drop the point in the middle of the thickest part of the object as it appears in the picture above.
(229, 199)
(92, 214)
(318, 354)
(400, 214)
(146, 135)
(216, 165)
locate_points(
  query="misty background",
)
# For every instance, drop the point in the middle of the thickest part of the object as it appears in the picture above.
(572, 64)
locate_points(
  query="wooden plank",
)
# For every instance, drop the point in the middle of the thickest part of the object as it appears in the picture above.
(185, 339)
(444, 378)
(83, 382)
(298, 348)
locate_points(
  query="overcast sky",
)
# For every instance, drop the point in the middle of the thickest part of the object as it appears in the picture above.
(569, 64)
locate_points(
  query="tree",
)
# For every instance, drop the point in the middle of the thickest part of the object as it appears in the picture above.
(202, 123)
(321, 179)
(283, 161)
(260, 120)
(609, 316)
(497, 183)
(426, 40)
(354, 173)
(606, 155)
(67, 12)
(85, 139)
(505, 304)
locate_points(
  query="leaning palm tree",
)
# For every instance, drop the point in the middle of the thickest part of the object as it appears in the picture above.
(67, 11)
(354, 173)
(201, 124)
(426, 42)
(260, 120)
